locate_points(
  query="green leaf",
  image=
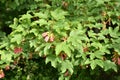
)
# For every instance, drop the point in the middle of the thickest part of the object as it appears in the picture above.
(87, 61)
(17, 2)
(58, 14)
(35, 31)
(96, 44)
(58, 48)
(41, 15)
(52, 58)
(93, 64)
(19, 28)
(61, 77)
(15, 24)
(17, 38)
(99, 54)
(66, 26)
(100, 2)
(114, 33)
(116, 47)
(43, 22)
(110, 65)
(63, 47)
(6, 57)
(92, 56)
(66, 65)
(37, 0)
(47, 49)
(76, 37)
(100, 63)
(25, 16)
(33, 43)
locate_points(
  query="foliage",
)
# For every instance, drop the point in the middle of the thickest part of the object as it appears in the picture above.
(74, 36)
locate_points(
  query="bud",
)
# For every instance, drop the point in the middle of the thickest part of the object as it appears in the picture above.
(63, 56)
(45, 34)
(7, 67)
(118, 61)
(66, 73)
(46, 38)
(104, 13)
(85, 49)
(65, 4)
(51, 38)
(114, 59)
(17, 50)
(30, 55)
(2, 75)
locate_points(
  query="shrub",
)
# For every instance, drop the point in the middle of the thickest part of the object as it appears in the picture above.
(71, 35)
